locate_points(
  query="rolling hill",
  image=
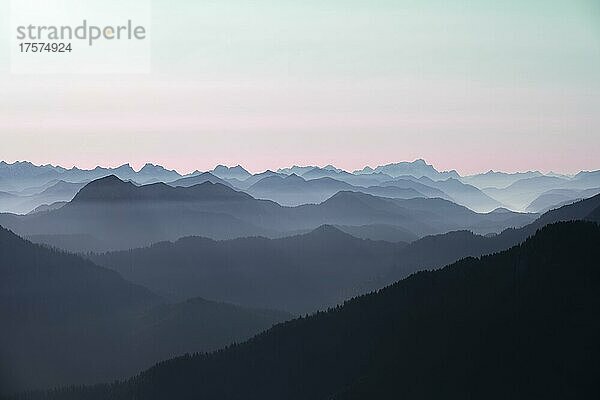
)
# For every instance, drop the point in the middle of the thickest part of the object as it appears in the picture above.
(519, 324)
(438, 250)
(464, 194)
(497, 179)
(293, 190)
(521, 193)
(52, 309)
(556, 198)
(306, 272)
(56, 192)
(122, 215)
(67, 320)
(298, 274)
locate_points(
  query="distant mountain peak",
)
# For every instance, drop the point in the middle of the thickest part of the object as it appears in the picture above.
(296, 169)
(418, 168)
(108, 180)
(366, 170)
(126, 166)
(152, 167)
(330, 167)
(106, 188)
(225, 172)
(222, 167)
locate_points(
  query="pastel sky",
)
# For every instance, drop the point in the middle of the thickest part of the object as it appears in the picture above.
(467, 85)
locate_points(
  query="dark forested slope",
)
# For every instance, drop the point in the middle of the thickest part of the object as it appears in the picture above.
(519, 324)
(65, 320)
(53, 310)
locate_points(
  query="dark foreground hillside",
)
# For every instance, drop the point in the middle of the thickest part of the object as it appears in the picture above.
(521, 324)
(64, 320)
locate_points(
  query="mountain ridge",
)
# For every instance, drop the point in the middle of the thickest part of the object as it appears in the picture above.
(452, 326)
(68, 320)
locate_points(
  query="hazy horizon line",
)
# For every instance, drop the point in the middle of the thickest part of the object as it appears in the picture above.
(137, 167)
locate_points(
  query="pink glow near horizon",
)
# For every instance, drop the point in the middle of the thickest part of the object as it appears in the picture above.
(268, 125)
(270, 84)
(187, 165)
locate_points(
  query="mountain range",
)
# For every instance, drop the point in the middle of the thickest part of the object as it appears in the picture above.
(197, 264)
(293, 190)
(310, 271)
(66, 320)
(298, 274)
(122, 215)
(517, 324)
(57, 191)
(22, 183)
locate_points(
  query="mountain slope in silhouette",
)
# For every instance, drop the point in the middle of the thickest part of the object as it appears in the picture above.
(283, 273)
(556, 198)
(520, 324)
(123, 215)
(293, 190)
(52, 305)
(67, 320)
(438, 250)
(298, 274)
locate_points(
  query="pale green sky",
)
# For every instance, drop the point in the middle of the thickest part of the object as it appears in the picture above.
(470, 85)
(501, 41)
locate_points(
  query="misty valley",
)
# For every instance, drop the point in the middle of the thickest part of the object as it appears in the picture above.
(299, 200)
(301, 283)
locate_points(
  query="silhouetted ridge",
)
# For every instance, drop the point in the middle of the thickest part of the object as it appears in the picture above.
(112, 188)
(52, 308)
(298, 274)
(577, 211)
(519, 324)
(106, 189)
(66, 320)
